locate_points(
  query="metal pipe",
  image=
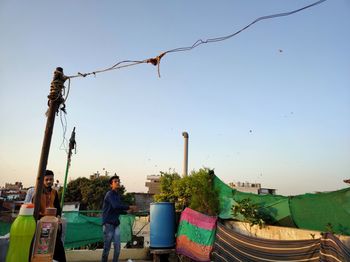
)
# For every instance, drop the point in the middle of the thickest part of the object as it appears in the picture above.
(185, 166)
(72, 144)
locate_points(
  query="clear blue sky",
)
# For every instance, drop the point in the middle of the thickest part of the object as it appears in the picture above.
(270, 105)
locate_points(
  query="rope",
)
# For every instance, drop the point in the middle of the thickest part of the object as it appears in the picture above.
(56, 89)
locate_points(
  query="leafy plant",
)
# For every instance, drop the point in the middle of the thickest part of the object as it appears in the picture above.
(250, 212)
(90, 192)
(167, 184)
(329, 228)
(195, 191)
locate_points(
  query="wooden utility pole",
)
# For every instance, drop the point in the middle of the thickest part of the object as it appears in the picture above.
(55, 99)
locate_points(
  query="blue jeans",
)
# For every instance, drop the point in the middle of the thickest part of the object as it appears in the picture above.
(110, 232)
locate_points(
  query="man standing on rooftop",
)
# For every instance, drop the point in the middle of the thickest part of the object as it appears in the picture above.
(49, 198)
(112, 208)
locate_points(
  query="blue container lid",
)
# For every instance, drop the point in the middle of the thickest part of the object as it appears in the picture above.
(162, 203)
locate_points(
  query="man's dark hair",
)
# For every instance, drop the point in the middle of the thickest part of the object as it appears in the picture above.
(113, 177)
(48, 173)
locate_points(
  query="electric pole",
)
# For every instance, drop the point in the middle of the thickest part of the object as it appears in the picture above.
(55, 100)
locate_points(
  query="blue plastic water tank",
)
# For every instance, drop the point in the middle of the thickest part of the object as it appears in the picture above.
(162, 228)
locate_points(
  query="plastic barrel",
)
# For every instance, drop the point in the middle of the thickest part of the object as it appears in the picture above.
(162, 225)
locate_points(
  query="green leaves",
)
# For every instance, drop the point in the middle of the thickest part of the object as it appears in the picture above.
(250, 212)
(90, 192)
(195, 191)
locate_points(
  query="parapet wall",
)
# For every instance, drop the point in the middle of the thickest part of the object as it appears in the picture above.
(279, 233)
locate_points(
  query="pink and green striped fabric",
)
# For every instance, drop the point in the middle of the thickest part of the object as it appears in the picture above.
(195, 235)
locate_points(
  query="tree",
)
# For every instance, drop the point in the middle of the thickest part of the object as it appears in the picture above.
(73, 191)
(204, 198)
(90, 192)
(93, 193)
(195, 191)
(167, 182)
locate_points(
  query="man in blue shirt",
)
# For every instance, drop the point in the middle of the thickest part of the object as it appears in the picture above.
(112, 208)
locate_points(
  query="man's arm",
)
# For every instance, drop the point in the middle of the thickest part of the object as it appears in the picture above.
(116, 203)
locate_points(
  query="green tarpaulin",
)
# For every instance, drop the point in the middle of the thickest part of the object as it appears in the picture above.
(277, 207)
(321, 212)
(82, 230)
(4, 228)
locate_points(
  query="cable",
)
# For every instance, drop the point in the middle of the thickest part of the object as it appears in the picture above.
(116, 66)
(212, 40)
(64, 143)
(65, 99)
(156, 60)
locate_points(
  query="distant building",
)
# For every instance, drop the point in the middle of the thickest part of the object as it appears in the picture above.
(153, 184)
(254, 188)
(95, 175)
(143, 201)
(267, 191)
(13, 194)
(15, 186)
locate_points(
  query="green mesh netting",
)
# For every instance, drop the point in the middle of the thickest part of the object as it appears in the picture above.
(83, 230)
(225, 198)
(4, 228)
(276, 207)
(273, 206)
(323, 211)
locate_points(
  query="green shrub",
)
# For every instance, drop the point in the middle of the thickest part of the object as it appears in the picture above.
(251, 213)
(195, 191)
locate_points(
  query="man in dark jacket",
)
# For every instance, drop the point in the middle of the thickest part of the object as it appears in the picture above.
(112, 208)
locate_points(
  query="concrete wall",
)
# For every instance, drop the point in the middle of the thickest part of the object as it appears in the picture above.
(143, 201)
(279, 233)
(95, 255)
(141, 227)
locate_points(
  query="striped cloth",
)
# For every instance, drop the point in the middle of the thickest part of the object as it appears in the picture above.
(233, 246)
(195, 235)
